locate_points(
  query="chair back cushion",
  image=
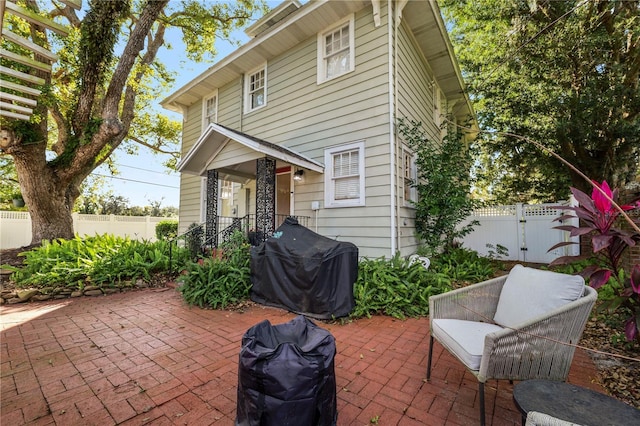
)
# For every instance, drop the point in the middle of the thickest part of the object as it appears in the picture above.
(529, 293)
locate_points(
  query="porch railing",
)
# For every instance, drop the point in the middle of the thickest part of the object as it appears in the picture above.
(199, 244)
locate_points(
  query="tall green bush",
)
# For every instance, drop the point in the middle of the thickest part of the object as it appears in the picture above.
(166, 229)
(443, 185)
(463, 266)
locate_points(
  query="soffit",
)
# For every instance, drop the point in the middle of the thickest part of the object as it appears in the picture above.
(428, 28)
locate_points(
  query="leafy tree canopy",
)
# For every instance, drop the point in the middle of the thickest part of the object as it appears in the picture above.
(564, 73)
(99, 94)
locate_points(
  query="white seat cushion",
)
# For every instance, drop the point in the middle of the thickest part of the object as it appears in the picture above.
(464, 338)
(529, 293)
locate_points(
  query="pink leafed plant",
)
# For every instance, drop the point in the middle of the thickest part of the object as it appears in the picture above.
(598, 215)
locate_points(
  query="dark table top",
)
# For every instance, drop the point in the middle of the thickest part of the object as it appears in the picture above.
(573, 404)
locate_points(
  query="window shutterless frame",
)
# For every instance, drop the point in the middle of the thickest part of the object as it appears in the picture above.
(409, 176)
(344, 176)
(255, 89)
(209, 109)
(336, 50)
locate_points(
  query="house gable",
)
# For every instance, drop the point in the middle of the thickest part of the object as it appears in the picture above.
(222, 147)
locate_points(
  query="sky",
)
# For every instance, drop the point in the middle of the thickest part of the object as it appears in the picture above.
(142, 178)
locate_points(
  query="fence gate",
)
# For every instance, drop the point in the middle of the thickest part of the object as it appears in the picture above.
(526, 230)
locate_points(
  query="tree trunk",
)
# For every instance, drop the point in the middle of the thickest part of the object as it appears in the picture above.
(49, 200)
(51, 219)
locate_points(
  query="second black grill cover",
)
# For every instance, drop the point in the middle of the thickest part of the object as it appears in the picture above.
(304, 272)
(286, 375)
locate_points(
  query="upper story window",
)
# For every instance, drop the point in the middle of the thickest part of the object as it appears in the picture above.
(409, 175)
(210, 110)
(255, 90)
(344, 176)
(336, 50)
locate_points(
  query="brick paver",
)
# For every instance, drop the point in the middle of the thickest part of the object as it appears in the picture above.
(147, 358)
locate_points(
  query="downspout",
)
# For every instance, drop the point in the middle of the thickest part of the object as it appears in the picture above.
(241, 101)
(392, 145)
(396, 23)
(397, 16)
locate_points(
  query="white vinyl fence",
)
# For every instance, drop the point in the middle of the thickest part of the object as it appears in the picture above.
(526, 230)
(15, 227)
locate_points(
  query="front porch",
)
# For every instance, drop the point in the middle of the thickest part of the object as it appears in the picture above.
(248, 184)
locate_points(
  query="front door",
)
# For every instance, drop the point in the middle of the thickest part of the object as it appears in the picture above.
(283, 196)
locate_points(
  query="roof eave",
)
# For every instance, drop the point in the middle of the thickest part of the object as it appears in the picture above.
(172, 101)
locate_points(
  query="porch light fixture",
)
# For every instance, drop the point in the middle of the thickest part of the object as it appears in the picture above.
(297, 176)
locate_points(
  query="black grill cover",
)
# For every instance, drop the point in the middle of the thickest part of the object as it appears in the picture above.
(306, 273)
(286, 375)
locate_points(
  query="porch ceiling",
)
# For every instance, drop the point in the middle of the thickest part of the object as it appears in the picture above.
(216, 138)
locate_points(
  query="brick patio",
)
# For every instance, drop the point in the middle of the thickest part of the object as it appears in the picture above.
(147, 358)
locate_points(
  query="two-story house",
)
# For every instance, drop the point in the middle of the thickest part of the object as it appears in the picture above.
(301, 121)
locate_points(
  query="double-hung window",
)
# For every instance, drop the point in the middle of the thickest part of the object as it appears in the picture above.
(336, 52)
(210, 110)
(255, 89)
(344, 176)
(409, 176)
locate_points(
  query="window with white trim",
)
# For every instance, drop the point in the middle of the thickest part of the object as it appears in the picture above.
(210, 110)
(344, 176)
(255, 89)
(336, 50)
(409, 176)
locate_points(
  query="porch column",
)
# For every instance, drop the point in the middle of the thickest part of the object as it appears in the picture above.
(211, 219)
(265, 196)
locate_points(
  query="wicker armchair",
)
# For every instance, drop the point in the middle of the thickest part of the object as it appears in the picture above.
(513, 327)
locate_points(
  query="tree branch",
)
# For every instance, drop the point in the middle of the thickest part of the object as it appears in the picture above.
(543, 148)
(111, 130)
(63, 129)
(99, 36)
(135, 44)
(67, 12)
(156, 148)
(154, 44)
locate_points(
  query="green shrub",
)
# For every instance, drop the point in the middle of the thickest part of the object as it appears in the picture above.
(218, 283)
(102, 260)
(392, 287)
(463, 266)
(166, 229)
(443, 185)
(194, 240)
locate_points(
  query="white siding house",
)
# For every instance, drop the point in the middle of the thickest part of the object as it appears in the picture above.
(316, 91)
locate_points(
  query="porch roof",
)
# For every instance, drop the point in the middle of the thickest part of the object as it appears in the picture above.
(216, 137)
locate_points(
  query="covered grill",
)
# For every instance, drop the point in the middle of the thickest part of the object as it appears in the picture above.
(304, 272)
